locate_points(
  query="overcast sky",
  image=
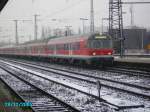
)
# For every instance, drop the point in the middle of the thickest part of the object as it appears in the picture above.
(67, 12)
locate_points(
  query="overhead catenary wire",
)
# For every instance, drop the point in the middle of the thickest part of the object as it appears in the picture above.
(135, 2)
(63, 20)
(62, 10)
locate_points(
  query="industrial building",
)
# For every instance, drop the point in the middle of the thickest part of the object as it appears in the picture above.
(135, 39)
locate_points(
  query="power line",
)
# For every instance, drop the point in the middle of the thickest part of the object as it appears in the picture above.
(64, 9)
(116, 24)
(131, 9)
(135, 2)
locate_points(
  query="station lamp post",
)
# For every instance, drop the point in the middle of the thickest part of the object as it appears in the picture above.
(103, 19)
(16, 32)
(16, 29)
(83, 19)
(92, 17)
(68, 32)
(35, 26)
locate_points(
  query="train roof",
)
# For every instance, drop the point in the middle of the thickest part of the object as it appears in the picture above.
(8, 46)
(38, 42)
(69, 39)
(77, 38)
(57, 40)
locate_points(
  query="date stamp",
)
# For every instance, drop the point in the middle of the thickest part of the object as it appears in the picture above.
(17, 104)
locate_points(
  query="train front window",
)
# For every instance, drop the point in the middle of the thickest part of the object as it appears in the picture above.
(102, 43)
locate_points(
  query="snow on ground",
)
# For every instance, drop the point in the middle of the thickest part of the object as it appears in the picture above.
(85, 89)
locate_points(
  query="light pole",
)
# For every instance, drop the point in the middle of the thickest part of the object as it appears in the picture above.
(132, 15)
(92, 18)
(103, 24)
(35, 26)
(83, 19)
(68, 32)
(132, 9)
(27, 21)
(142, 41)
(16, 32)
(57, 30)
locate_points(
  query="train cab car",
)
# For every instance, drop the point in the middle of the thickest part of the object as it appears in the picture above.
(92, 49)
(100, 49)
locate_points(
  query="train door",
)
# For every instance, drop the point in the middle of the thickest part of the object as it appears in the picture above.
(55, 49)
(70, 49)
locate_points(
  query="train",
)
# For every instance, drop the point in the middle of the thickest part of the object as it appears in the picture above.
(91, 49)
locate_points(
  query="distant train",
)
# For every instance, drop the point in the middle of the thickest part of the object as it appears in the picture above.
(90, 49)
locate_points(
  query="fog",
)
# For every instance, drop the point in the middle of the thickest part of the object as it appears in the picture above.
(64, 12)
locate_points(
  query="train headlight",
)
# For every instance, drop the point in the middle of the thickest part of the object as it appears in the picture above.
(94, 53)
(109, 53)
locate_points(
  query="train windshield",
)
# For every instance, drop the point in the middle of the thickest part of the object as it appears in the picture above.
(100, 43)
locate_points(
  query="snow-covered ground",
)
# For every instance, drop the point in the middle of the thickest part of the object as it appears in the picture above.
(109, 95)
(75, 98)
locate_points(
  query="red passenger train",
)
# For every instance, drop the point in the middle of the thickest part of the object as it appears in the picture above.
(90, 49)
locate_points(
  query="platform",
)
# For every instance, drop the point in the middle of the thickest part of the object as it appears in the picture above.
(141, 60)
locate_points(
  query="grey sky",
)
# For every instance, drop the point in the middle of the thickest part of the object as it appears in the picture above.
(67, 11)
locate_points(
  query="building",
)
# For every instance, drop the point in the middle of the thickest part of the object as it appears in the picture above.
(135, 39)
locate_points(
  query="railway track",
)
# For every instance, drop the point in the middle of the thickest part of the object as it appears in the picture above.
(128, 71)
(142, 69)
(27, 92)
(134, 89)
(65, 73)
(29, 77)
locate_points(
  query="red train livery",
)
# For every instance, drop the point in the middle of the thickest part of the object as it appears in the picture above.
(90, 49)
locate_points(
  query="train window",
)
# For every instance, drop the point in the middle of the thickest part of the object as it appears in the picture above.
(76, 46)
(107, 44)
(61, 47)
(103, 43)
(27, 50)
(51, 47)
(66, 46)
(58, 47)
(39, 49)
(94, 44)
(31, 50)
(35, 49)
